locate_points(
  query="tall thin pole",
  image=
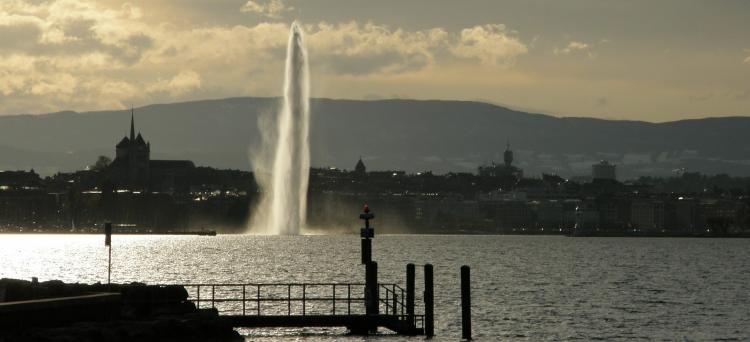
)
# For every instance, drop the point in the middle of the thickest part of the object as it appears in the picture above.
(429, 302)
(108, 243)
(410, 277)
(465, 303)
(109, 266)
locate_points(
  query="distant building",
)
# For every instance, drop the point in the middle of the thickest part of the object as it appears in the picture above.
(132, 157)
(360, 170)
(134, 169)
(603, 170)
(648, 214)
(507, 175)
(508, 155)
(19, 180)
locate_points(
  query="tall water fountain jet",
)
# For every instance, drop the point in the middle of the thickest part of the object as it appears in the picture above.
(283, 207)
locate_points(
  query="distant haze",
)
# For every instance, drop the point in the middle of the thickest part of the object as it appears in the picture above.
(411, 135)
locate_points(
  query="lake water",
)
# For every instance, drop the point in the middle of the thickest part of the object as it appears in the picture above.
(524, 287)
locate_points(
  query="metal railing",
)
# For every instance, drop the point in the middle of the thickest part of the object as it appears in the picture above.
(292, 299)
(393, 298)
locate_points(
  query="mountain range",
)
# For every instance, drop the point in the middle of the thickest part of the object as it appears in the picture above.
(411, 135)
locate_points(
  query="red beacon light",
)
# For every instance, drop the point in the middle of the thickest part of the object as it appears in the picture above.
(366, 215)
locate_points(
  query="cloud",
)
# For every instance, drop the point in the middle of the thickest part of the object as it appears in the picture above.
(181, 83)
(573, 47)
(354, 48)
(84, 55)
(578, 47)
(271, 9)
(747, 59)
(491, 44)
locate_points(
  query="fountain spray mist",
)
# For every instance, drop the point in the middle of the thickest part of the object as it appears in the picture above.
(283, 206)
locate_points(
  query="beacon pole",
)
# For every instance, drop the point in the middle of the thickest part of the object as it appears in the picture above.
(367, 233)
(371, 268)
(108, 244)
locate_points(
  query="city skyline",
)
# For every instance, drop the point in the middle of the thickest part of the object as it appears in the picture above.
(637, 60)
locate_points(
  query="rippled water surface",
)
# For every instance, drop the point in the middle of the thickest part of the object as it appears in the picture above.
(524, 287)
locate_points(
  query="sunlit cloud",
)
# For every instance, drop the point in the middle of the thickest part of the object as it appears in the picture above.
(491, 44)
(103, 54)
(575, 47)
(181, 83)
(271, 9)
(83, 55)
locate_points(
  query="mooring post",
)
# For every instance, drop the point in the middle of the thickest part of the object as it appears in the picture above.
(465, 302)
(410, 276)
(429, 302)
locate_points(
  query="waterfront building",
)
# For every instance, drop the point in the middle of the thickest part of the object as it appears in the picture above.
(603, 171)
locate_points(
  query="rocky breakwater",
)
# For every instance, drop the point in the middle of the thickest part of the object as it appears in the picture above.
(55, 311)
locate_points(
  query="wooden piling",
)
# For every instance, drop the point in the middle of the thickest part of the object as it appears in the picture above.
(410, 277)
(429, 302)
(465, 302)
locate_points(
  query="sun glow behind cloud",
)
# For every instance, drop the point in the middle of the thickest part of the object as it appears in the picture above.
(79, 54)
(87, 54)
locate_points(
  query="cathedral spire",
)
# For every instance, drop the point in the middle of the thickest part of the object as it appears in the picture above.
(132, 124)
(508, 155)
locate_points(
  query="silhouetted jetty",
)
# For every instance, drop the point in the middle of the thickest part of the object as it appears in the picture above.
(310, 305)
(170, 232)
(362, 308)
(55, 311)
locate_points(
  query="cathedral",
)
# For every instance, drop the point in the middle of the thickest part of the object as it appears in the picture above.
(133, 168)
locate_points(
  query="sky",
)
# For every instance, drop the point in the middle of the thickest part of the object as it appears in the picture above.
(636, 60)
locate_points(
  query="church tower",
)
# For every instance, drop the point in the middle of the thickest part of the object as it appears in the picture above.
(508, 155)
(133, 156)
(359, 169)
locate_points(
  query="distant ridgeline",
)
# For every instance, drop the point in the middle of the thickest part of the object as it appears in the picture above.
(410, 135)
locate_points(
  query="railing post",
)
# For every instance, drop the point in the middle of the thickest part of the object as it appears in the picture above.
(289, 299)
(257, 298)
(303, 298)
(395, 302)
(334, 299)
(198, 300)
(410, 276)
(213, 296)
(465, 303)
(243, 300)
(348, 299)
(429, 302)
(387, 300)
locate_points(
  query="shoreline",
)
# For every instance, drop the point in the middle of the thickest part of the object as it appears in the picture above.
(444, 233)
